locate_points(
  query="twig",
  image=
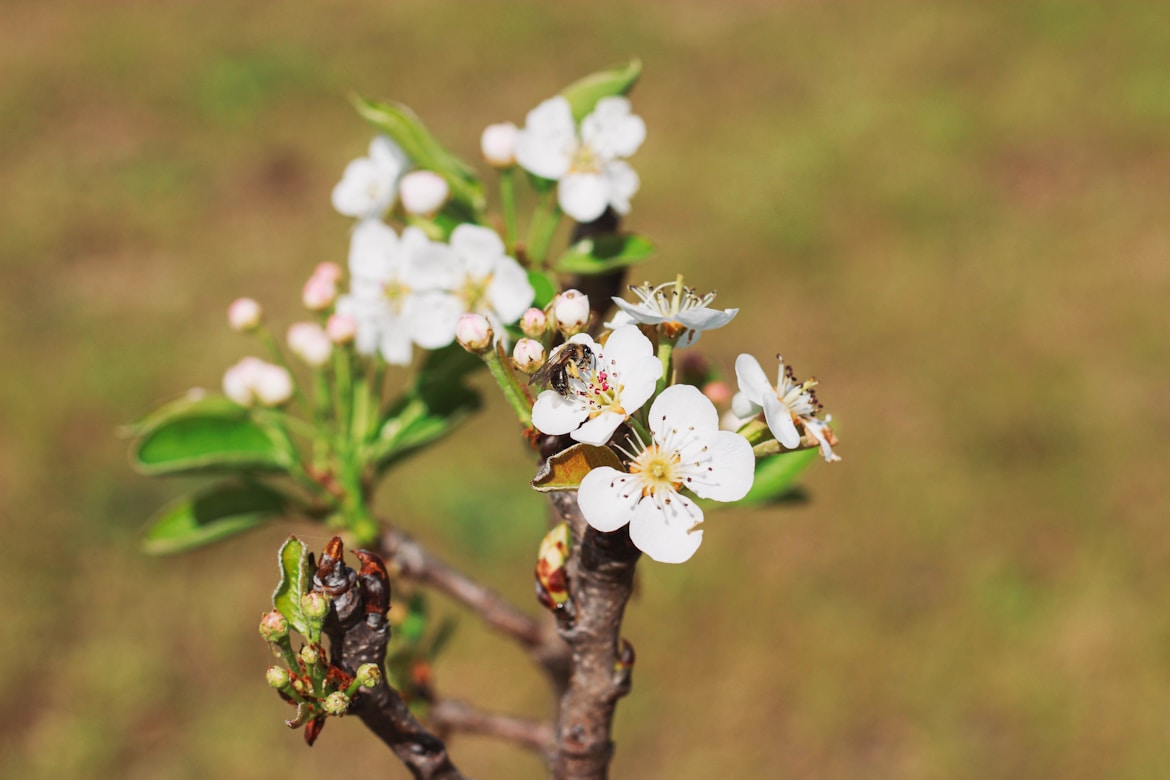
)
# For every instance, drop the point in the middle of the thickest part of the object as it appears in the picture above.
(449, 715)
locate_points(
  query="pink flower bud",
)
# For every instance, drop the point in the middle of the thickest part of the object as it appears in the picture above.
(319, 292)
(307, 340)
(423, 193)
(245, 314)
(571, 311)
(534, 323)
(719, 393)
(474, 332)
(498, 144)
(328, 271)
(528, 355)
(273, 386)
(341, 328)
(239, 381)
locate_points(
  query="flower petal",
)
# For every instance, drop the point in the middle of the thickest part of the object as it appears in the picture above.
(583, 196)
(388, 156)
(394, 343)
(608, 497)
(779, 418)
(638, 312)
(476, 240)
(364, 190)
(744, 407)
(753, 382)
(727, 470)
(611, 130)
(372, 249)
(623, 183)
(599, 430)
(433, 317)
(682, 407)
(626, 345)
(669, 533)
(554, 414)
(545, 145)
(510, 292)
(706, 319)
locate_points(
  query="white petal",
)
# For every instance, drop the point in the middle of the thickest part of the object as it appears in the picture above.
(433, 267)
(554, 414)
(706, 319)
(639, 312)
(668, 534)
(394, 344)
(779, 418)
(545, 145)
(364, 190)
(682, 406)
(433, 317)
(388, 156)
(620, 318)
(607, 498)
(510, 292)
(623, 183)
(373, 246)
(727, 470)
(753, 382)
(744, 407)
(612, 130)
(599, 430)
(638, 380)
(626, 345)
(583, 196)
(553, 117)
(476, 240)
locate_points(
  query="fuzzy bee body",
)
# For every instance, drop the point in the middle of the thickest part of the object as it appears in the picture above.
(566, 363)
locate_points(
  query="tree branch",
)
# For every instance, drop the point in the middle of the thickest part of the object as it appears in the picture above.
(601, 579)
(413, 561)
(449, 715)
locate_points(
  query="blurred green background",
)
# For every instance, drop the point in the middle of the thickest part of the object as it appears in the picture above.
(953, 214)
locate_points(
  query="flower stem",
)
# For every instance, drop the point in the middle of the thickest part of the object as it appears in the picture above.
(506, 379)
(508, 206)
(269, 342)
(544, 225)
(666, 356)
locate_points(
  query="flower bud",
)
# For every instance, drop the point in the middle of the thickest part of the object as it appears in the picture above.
(330, 272)
(315, 605)
(341, 328)
(534, 323)
(273, 626)
(498, 144)
(307, 340)
(719, 392)
(368, 675)
(245, 314)
(474, 332)
(310, 655)
(571, 311)
(239, 381)
(552, 576)
(423, 193)
(277, 676)
(528, 355)
(336, 703)
(319, 293)
(273, 385)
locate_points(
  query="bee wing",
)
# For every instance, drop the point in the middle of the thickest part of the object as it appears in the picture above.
(542, 375)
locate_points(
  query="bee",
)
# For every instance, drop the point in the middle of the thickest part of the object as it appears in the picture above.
(565, 363)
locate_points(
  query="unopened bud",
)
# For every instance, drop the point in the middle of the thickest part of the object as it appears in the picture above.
(571, 311)
(423, 193)
(368, 675)
(273, 385)
(341, 328)
(239, 381)
(336, 703)
(498, 144)
(310, 655)
(528, 355)
(307, 340)
(474, 332)
(330, 272)
(277, 676)
(534, 323)
(273, 626)
(315, 605)
(719, 392)
(245, 314)
(319, 293)
(552, 576)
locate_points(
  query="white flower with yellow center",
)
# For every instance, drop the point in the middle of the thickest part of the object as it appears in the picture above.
(787, 404)
(687, 451)
(599, 396)
(588, 165)
(369, 185)
(680, 311)
(386, 279)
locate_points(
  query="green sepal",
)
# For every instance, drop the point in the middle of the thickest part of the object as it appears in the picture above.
(545, 287)
(584, 94)
(604, 253)
(213, 514)
(295, 579)
(206, 437)
(407, 130)
(436, 403)
(566, 469)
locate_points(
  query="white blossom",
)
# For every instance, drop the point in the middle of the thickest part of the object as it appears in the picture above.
(498, 144)
(687, 450)
(601, 396)
(787, 404)
(370, 184)
(588, 164)
(245, 314)
(252, 381)
(680, 311)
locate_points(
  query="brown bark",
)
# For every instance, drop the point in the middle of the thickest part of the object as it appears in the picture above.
(449, 715)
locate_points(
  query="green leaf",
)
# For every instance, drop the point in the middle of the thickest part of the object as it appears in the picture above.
(438, 401)
(775, 476)
(186, 443)
(295, 579)
(545, 288)
(604, 253)
(566, 469)
(408, 131)
(212, 514)
(584, 94)
(187, 406)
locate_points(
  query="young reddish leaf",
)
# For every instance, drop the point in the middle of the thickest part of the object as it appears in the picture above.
(566, 469)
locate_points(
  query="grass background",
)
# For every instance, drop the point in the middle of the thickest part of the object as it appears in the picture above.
(954, 214)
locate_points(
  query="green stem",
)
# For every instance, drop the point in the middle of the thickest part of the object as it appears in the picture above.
(343, 393)
(267, 339)
(666, 356)
(544, 225)
(506, 379)
(508, 206)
